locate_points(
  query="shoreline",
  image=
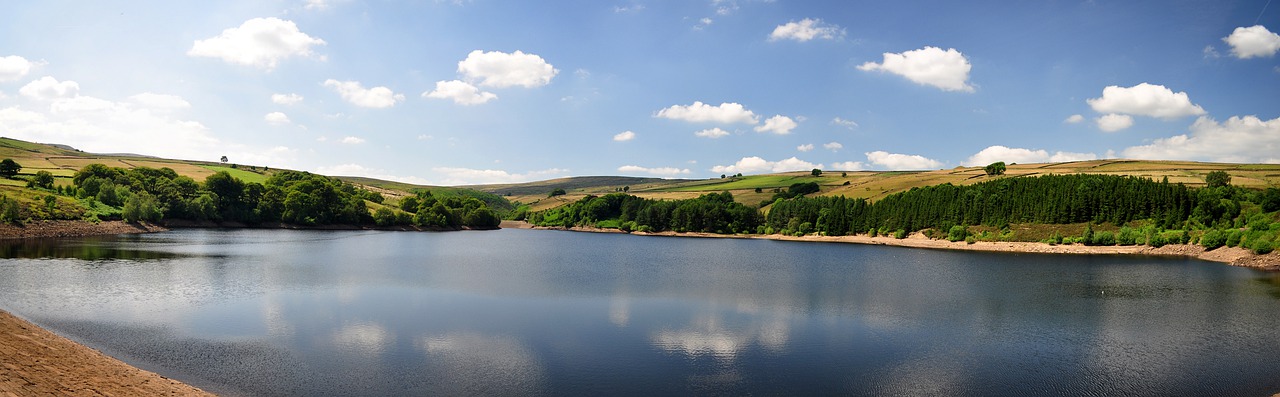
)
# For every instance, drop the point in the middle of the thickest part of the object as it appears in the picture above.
(1233, 256)
(79, 228)
(40, 362)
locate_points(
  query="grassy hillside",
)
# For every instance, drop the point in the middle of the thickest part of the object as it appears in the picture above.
(874, 185)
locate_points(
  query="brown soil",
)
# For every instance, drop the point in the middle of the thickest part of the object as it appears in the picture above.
(38, 229)
(1232, 256)
(35, 362)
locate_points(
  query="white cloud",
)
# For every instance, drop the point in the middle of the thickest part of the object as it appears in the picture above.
(1210, 52)
(1073, 119)
(805, 30)
(258, 42)
(805, 147)
(355, 93)
(460, 92)
(778, 124)
(662, 171)
(103, 126)
(500, 69)
(276, 118)
(352, 140)
(351, 169)
(1114, 122)
(899, 162)
(1022, 156)
(1238, 140)
(318, 5)
(850, 124)
(698, 112)
(1145, 100)
(947, 70)
(754, 164)
(848, 166)
(624, 136)
(702, 23)
(467, 176)
(160, 101)
(286, 99)
(1253, 41)
(628, 9)
(48, 88)
(832, 146)
(14, 67)
(712, 133)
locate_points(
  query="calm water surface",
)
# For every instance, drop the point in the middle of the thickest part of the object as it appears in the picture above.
(522, 312)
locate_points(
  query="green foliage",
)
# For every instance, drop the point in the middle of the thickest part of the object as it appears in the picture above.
(1217, 179)
(41, 180)
(816, 172)
(557, 192)
(1213, 239)
(996, 168)
(9, 211)
(9, 168)
(710, 213)
(957, 233)
(1269, 199)
(141, 207)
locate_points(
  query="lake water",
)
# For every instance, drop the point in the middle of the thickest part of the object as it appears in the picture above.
(525, 312)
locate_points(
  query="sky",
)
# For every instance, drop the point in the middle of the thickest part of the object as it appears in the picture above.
(485, 91)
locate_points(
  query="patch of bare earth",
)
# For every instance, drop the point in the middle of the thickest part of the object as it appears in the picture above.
(36, 362)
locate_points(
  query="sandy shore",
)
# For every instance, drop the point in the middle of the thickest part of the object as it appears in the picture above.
(36, 362)
(1232, 256)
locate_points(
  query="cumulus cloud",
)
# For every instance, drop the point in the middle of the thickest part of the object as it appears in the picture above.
(947, 70)
(1073, 119)
(624, 136)
(460, 92)
(754, 164)
(698, 112)
(900, 162)
(1023, 156)
(258, 42)
(832, 146)
(1253, 41)
(48, 88)
(468, 176)
(105, 126)
(286, 99)
(661, 171)
(805, 147)
(1114, 122)
(352, 140)
(779, 124)
(14, 67)
(1145, 100)
(355, 93)
(850, 124)
(848, 166)
(1244, 139)
(276, 118)
(805, 30)
(712, 133)
(500, 69)
(351, 169)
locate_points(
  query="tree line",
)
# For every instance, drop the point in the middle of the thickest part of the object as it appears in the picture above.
(709, 213)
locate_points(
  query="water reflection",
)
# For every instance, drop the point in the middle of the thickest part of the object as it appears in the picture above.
(87, 248)
(536, 312)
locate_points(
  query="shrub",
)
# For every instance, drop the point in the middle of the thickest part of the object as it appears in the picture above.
(1127, 236)
(900, 234)
(957, 233)
(1103, 238)
(1233, 239)
(1213, 239)
(1261, 246)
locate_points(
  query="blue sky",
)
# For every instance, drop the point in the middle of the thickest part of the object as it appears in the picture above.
(468, 92)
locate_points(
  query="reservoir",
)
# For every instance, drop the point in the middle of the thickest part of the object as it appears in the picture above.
(532, 312)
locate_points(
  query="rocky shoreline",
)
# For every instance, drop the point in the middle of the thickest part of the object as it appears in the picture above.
(1232, 256)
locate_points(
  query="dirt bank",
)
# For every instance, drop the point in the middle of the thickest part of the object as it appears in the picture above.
(36, 362)
(1232, 256)
(39, 229)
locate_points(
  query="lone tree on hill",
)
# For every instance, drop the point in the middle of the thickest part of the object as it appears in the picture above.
(557, 192)
(996, 168)
(224, 159)
(9, 168)
(816, 172)
(1214, 179)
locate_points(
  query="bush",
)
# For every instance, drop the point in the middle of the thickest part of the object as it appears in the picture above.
(1213, 239)
(1261, 246)
(1233, 238)
(1127, 236)
(1103, 238)
(957, 233)
(900, 234)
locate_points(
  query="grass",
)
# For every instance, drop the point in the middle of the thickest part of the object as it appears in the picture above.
(239, 173)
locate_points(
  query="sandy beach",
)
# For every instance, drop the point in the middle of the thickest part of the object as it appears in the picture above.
(36, 362)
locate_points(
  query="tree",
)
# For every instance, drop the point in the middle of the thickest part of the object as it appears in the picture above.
(844, 174)
(42, 180)
(224, 159)
(996, 168)
(9, 168)
(816, 172)
(557, 192)
(626, 189)
(1217, 179)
